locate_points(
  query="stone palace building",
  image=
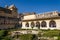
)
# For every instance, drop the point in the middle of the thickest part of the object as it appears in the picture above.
(47, 20)
(8, 17)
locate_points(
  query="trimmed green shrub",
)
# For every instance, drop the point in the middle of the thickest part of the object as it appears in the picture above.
(26, 37)
(50, 33)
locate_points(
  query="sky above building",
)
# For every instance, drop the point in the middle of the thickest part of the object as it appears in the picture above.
(38, 6)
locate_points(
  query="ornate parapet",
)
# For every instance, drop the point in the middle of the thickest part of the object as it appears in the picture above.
(47, 15)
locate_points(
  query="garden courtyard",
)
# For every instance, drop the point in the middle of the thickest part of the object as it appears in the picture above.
(41, 35)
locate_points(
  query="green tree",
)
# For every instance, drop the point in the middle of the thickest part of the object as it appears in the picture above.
(3, 34)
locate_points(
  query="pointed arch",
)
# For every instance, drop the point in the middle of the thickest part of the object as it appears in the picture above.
(38, 24)
(43, 24)
(27, 24)
(32, 24)
(52, 23)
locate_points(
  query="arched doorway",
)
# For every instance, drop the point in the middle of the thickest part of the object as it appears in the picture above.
(32, 24)
(43, 24)
(27, 24)
(38, 24)
(52, 23)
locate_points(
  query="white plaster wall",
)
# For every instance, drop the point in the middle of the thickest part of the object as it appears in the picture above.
(58, 23)
(23, 25)
(29, 17)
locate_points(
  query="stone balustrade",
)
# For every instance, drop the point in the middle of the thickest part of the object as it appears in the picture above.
(47, 15)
